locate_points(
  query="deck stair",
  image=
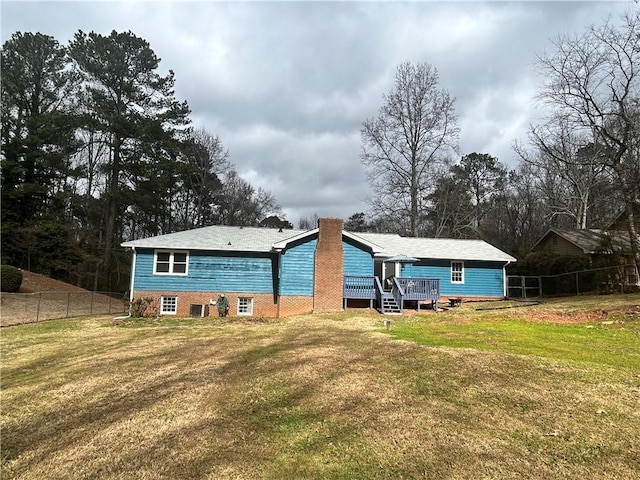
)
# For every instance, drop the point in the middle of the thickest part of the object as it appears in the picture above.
(390, 306)
(391, 301)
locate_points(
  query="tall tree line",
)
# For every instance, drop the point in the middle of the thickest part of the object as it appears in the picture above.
(579, 167)
(96, 149)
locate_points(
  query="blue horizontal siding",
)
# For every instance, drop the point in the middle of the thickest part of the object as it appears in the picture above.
(298, 261)
(296, 268)
(481, 279)
(356, 260)
(209, 271)
(247, 272)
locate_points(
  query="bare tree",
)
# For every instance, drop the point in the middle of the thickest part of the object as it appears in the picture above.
(206, 162)
(242, 205)
(522, 217)
(415, 129)
(308, 223)
(593, 81)
(571, 169)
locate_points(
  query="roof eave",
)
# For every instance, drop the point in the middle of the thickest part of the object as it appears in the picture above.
(282, 244)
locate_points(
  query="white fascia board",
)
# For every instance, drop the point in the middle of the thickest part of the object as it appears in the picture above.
(281, 245)
(376, 249)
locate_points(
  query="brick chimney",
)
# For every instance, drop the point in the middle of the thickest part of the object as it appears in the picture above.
(329, 266)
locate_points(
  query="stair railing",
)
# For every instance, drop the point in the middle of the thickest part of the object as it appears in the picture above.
(398, 294)
(379, 293)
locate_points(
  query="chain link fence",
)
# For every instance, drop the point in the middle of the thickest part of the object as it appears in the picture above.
(616, 279)
(18, 308)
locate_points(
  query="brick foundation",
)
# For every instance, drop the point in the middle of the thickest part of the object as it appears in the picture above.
(294, 305)
(263, 304)
(329, 266)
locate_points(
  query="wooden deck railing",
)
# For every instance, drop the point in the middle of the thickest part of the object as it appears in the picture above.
(420, 288)
(362, 287)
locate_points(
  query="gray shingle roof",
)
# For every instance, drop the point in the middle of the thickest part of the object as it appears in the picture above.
(438, 248)
(218, 237)
(249, 239)
(591, 240)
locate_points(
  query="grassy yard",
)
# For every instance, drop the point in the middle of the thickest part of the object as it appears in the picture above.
(543, 392)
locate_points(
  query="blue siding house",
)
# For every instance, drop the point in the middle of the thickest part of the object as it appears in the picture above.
(274, 273)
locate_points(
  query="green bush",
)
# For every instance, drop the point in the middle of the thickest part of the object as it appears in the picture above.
(563, 274)
(10, 278)
(547, 263)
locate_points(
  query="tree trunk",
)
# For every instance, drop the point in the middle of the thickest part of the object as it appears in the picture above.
(112, 209)
(584, 199)
(414, 204)
(633, 233)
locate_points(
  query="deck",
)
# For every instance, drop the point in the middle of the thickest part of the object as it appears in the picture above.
(402, 290)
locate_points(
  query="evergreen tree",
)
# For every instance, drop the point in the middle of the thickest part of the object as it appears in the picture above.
(134, 108)
(37, 141)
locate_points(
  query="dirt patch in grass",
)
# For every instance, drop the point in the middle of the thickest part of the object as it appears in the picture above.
(34, 282)
(567, 310)
(591, 309)
(567, 318)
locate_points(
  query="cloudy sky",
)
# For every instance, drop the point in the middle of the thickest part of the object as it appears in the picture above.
(287, 85)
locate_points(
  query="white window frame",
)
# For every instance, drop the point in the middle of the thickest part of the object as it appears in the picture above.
(455, 272)
(172, 262)
(247, 308)
(171, 305)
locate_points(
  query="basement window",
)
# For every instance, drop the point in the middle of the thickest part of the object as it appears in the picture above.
(170, 262)
(168, 305)
(245, 306)
(457, 272)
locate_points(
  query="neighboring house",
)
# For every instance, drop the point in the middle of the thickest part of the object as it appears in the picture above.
(596, 244)
(275, 273)
(620, 222)
(591, 242)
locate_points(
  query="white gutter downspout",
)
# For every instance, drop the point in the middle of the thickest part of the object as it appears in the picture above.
(133, 275)
(504, 279)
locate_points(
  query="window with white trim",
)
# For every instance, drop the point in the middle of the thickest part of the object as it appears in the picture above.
(457, 272)
(245, 306)
(170, 262)
(168, 305)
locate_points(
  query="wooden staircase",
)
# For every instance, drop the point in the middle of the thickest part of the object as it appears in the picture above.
(389, 305)
(391, 301)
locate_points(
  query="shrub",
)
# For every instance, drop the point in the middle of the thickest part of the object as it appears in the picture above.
(139, 308)
(547, 263)
(571, 273)
(10, 278)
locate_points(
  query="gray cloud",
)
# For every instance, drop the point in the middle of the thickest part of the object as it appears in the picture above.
(287, 85)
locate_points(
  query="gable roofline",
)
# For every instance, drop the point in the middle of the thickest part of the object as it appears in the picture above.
(565, 234)
(375, 248)
(621, 213)
(281, 245)
(560, 233)
(590, 241)
(615, 219)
